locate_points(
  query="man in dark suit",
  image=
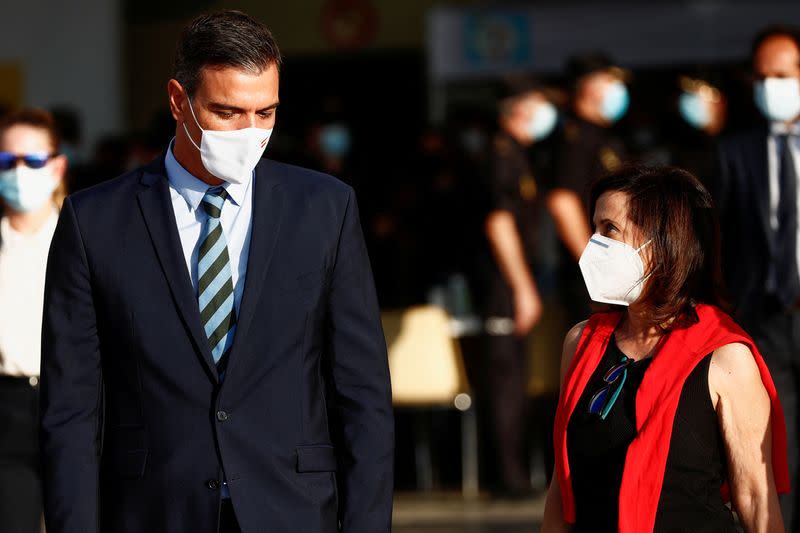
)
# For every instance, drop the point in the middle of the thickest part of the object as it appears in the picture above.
(757, 196)
(213, 357)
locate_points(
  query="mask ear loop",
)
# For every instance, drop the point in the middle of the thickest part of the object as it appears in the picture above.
(196, 122)
(643, 278)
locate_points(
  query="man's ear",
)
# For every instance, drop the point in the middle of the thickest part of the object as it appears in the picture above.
(177, 96)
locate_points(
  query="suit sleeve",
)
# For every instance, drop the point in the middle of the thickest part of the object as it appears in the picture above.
(70, 385)
(363, 424)
(721, 186)
(718, 182)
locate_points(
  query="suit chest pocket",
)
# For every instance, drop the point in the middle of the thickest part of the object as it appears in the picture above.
(305, 282)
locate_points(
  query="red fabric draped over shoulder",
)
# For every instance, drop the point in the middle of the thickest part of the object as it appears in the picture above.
(656, 403)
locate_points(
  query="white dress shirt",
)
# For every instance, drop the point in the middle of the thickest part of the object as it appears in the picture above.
(186, 192)
(777, 128)
(23, 263)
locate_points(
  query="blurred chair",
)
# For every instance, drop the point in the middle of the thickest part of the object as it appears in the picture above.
(428, 372)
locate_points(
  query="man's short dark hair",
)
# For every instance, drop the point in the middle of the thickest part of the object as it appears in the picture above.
(514, 89)
(775, 30)
(223, 39)
(580, 66)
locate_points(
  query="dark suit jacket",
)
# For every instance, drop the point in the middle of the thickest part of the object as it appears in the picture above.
(740, 190)
(137, 431)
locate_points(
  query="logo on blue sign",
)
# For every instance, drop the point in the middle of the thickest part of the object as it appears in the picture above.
(493, 39)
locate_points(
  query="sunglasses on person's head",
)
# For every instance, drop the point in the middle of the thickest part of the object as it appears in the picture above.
(601, 403)
(9, 160)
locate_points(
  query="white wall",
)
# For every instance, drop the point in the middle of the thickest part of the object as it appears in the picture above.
(70, 53)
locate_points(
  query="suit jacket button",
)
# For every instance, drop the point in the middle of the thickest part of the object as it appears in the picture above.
(212, 484)
(222, 416)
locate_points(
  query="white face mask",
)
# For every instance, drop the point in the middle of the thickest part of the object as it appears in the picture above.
(230, 155)
(778, 99)
(543, 121)
(27, 189)
(616, 100)
(612, 270)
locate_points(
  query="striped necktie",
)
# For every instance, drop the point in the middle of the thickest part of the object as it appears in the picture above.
(215, 284)
(786, 271)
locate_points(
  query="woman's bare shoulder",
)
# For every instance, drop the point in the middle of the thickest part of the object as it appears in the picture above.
(570, 344)
(733, 367)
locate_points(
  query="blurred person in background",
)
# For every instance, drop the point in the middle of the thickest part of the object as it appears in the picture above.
(703, 111)
(514, 305)
(756, 192)
(665, 400)
(330, 145)
(588, 147)
(702, 105)
(32, 188)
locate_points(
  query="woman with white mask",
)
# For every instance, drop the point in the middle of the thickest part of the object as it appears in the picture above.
(31, 188)
(667, 408)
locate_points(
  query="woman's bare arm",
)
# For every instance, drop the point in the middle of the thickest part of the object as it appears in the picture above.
(743, 410)
(553, 514)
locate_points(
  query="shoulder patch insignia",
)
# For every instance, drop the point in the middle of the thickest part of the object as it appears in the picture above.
(527, 188)
(609, 159)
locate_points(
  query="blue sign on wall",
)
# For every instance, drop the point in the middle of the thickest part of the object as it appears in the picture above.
(492, 39)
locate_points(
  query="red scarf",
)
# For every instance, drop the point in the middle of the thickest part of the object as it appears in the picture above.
(656, 403)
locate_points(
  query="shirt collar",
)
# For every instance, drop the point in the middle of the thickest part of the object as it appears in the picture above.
(781, 128)
(193, 189)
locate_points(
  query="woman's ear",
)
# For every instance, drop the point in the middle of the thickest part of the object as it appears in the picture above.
(59, 166)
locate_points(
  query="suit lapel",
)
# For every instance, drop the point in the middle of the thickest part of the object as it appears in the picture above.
(154, 202)
(268, 212)
(758, 161)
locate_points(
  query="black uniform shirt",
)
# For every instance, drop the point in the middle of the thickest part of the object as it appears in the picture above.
(585, 151)
(515, 189)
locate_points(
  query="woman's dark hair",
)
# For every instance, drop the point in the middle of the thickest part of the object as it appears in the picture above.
(223, 39)
(35, 118)
(672, 208)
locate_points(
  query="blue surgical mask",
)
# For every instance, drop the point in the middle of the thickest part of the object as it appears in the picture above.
(543, 121)
(694, 110)
(778, 99)
(615, 101)
(26, 189)
(334, 140)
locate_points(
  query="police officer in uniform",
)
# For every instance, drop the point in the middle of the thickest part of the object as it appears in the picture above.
(514, 303)
(588, 147)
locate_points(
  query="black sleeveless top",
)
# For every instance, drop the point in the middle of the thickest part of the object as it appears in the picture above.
(690, 498)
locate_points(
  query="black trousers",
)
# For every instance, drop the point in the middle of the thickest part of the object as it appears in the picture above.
(507, 381)
(227, 518)
(20, 480)
(777, 336)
